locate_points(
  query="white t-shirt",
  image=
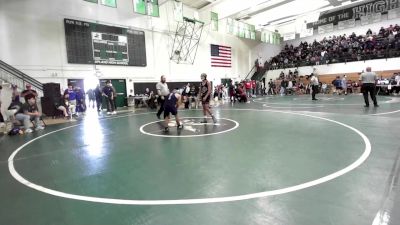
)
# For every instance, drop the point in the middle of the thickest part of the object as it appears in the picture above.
(290, 85)
(163, 88)
(397, 79)
(314, 80)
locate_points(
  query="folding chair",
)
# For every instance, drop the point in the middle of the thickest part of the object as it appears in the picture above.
(40, 120)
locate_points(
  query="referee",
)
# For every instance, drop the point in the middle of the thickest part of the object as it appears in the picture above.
(368, 80)
(162, 91)
(314, 84)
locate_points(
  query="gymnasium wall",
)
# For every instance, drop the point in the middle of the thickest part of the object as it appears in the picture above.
(32, 39)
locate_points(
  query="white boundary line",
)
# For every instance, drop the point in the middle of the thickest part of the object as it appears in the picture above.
(322, 105)
(312, 183)
(193, 135)
(392, 100)
(293, 107)
(385, 113)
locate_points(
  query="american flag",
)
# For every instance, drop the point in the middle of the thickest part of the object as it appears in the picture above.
(221, 56)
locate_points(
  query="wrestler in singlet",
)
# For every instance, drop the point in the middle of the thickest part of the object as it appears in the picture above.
(170, 105)
(204, 91)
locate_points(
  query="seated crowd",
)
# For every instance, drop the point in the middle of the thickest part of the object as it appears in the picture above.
(27, 113)
(288, 84)
(343, 48)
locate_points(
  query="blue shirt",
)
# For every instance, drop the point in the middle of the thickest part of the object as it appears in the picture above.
(71, 93)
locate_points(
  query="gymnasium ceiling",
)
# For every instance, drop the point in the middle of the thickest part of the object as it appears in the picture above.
(267, 12)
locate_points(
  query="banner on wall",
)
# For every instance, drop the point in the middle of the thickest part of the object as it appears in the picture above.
(355, 12)
(153, 8)
(325, 28)
(394, 14)
(346, 24)
(214, 21)
(263, 37)
(289, 36)
(178, 11)
(240, 29)
(271, 37)
(110, 3)
(372, 18)
(306, 33)
(146, 7)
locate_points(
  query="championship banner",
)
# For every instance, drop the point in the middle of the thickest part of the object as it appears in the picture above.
(394, 14)
(214, 21)
(355, 12)
(306, 33)
(346, 24)
(178, 11)
(110, 3)
(325, 28)
(289, 36)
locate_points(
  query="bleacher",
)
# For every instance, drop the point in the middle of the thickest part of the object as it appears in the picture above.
(340, 49)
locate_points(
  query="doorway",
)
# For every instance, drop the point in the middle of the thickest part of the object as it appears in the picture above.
(77, 83)
(120, 88)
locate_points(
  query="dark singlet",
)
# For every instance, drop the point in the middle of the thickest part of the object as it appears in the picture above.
(170, 102)
(204, 90)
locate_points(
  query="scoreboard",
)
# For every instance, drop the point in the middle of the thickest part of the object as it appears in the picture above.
(92, 43)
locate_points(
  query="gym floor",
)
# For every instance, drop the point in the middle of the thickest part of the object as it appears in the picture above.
(276, 160)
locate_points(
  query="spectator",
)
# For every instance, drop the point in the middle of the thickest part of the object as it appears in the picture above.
(382, 31)
(27, 112)
(64, 106)
(114, 96)
(284, 85)
(15, 94)
(337, 83)
(147, 92)
(271, 88)
(71, 98)
(240, 94)
(324, 87)
(193, 96)
(91, 96)
(109, 93)
(247, 86)
(151, 102)
(98, 95)
(397, 78)
(282, 75)
(80, 100)
(344, 84)
(185, 95)
(295, 73)
(28, 92)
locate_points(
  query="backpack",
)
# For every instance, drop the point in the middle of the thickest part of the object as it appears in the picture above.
(14, 131)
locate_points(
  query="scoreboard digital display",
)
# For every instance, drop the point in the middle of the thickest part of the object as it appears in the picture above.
(92, 43)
